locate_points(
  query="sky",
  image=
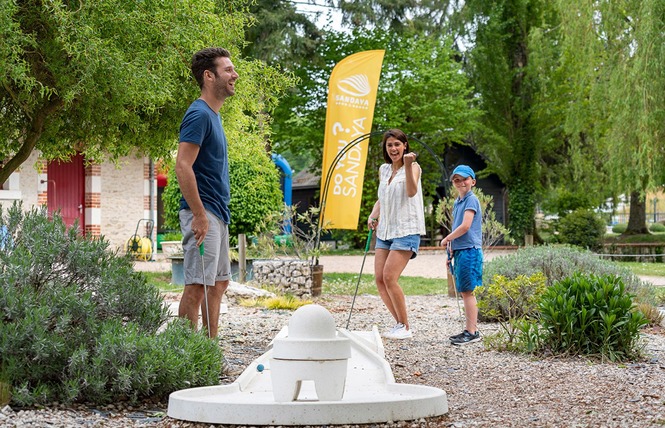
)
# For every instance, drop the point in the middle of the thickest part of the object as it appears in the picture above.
(328, 16)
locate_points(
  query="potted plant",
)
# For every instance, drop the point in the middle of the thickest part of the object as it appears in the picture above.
(300, 244)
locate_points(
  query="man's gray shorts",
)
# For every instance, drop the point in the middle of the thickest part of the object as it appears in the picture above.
(216, 257)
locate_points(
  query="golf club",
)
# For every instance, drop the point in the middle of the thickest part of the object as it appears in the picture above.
(369, 240)
(205, 286)
(452, 274)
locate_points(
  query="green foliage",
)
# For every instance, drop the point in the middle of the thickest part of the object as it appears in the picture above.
(171, 198)
(582, 228)
(619, 228)
(79, 324)
(591, 315)
(301, 243)
(112, 78)
(564, 200)
(513, 303)
(558, 262)
(493, 231)
(505, 299)
(657, 227)
(422, 91)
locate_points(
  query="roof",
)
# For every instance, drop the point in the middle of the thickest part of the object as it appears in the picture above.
(306, 180)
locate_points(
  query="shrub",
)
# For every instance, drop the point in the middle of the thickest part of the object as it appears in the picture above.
(582, 228)
(591, 315)
(651, 313)
(512, 303)
(558, 262)
(79, 324)
(657, 227)
(619, 228)
(505, 299)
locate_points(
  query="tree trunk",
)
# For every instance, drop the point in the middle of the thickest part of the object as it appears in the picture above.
(637, 219)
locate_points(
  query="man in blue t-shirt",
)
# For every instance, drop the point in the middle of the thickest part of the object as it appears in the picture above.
(466, 243)
(202, 168)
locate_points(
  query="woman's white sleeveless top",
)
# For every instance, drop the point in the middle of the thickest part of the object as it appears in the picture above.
(399, 215)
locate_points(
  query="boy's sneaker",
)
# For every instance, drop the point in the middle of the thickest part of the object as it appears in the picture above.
(399, 332)
(466, 338)
(457, 336)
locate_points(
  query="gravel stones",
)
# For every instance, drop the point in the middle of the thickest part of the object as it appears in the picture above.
(485, 388)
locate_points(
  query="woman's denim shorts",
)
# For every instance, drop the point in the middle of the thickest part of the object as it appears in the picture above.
(404, 243)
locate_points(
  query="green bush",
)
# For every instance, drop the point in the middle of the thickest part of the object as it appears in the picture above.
(558, 262)
(619, 228)
(582, 228)
(80, 324)
(505, 299)
(513, 303)
(591, 315)
(657, 227)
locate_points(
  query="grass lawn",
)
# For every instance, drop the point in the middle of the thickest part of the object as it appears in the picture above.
(650, 269)
(345, 283)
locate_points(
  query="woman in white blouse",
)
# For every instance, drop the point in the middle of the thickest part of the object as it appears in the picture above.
(398, 218)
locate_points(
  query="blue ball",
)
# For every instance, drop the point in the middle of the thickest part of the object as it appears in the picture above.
(260, 367)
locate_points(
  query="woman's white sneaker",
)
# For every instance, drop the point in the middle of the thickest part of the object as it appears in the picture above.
(398, 332)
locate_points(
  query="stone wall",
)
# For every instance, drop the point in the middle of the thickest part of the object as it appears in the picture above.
(290, 276)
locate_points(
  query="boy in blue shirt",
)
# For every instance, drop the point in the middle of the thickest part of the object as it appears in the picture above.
(465, 242)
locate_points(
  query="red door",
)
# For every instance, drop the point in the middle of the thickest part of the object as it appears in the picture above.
(66, 190)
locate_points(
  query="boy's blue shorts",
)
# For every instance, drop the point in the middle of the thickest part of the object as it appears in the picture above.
(468, 266)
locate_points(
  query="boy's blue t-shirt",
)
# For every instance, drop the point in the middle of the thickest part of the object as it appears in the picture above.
(473, 238)
(203, 127)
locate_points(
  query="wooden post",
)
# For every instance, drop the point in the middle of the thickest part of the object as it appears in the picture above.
(451, 284)
(242, 258)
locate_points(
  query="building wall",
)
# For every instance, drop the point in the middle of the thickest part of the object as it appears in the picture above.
(116, 197)
(24, 185)
(125, 200)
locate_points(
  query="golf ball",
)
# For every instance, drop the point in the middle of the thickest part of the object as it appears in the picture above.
(260, 367)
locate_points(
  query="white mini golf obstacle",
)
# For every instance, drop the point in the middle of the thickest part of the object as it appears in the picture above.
(314, 374)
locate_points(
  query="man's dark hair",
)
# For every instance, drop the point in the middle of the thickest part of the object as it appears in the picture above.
(205, 60)
(398, 134)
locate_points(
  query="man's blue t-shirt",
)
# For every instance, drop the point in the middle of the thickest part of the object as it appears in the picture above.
(203, 127)
(473, 238)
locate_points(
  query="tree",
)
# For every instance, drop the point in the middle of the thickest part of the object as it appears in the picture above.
(422, 91)
(624, 50)
(498, 63)
(279, 35)
(111, 77)
(405, 16)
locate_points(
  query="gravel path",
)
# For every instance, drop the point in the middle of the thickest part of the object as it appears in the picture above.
(485, 388)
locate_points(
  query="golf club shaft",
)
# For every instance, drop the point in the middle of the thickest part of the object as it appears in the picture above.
(205, 286)
(369, 240)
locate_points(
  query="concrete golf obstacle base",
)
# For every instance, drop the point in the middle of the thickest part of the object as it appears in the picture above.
(313, 374)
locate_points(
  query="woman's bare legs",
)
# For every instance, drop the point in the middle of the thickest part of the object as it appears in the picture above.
(388, 266)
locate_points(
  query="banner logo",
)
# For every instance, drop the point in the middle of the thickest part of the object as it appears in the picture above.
(356, 86)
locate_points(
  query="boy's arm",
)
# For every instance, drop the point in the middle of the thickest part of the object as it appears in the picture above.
(461, 229)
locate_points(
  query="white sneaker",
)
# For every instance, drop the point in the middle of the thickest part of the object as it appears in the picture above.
(391, 330)
(400, 332)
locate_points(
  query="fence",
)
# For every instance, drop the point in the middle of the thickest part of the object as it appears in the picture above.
(652, 217)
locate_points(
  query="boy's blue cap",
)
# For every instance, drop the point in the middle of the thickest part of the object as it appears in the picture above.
(464, 171)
